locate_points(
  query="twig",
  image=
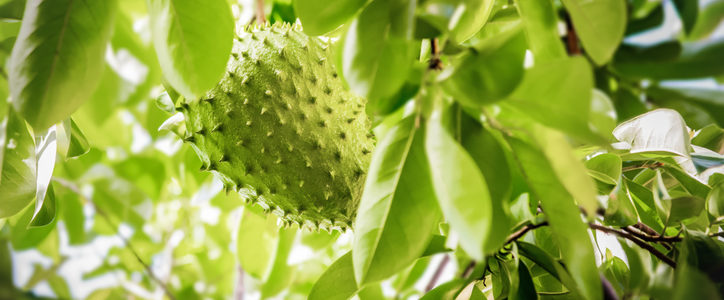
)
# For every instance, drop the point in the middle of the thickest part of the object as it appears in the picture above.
(260, 17)
(663, 240)
(438, 272)
(468, 270)
(637, 241)
(571, 38)
(435, 62)
(239, 293)
(71, 186)
(717, 234)
(608, 292)
(521, 232)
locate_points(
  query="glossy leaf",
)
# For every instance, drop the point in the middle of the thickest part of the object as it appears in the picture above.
(709, 17)
(468, 18)
(45, 214)
(599, 24)
(71, 141)
(688, 13)
(605, 167)
(526, 287)
(661, 131)
(281, 274)
(541, 27)
(460, 188)
(377, 53)
(19, 166)
(620, 210)
(567, 167)
(398, 210)
(564, 217)
(447, 290)
(558, 94)
(490, 72)
(549, 264)
(489, 156)
(182, 34)
(47, 77)
(257, 243)
(695, 60)
(337, 282)
(320, 17)
(45, 153)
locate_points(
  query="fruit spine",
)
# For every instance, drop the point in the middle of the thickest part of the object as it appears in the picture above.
(281, 129)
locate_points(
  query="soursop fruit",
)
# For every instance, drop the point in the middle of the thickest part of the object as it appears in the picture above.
(281, 129)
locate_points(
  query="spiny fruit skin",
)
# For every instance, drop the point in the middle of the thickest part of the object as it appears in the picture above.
(281, 129)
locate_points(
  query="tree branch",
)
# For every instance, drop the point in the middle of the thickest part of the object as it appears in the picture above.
(438, 272)
(636, 241)
(71, 186)
(521, 232)
(435, 62)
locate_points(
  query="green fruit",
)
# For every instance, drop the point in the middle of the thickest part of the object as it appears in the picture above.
(281, 129)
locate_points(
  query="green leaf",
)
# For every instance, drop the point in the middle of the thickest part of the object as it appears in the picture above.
(605, 167)
(617, 273)
(12, 9)
(71, 141)
(688, 13)
(660, 131)
(489, 72)
(558, 94)
(567, 167)
(620, 210)
(541, 27)
(48, 79)
(460, 188)
(639, 263)
(695, 60)
(19, 166)
(46, 152)
(281, 274)
(699, 266)
(645, 204)
(71, 212)
(468, 18)
(711, 100)
(320, 17)
(564, 217)
(599, 24)
(24, 237)
(192, 41)
(709, 18)
(689, 183)
(45, 214)
(378, 52)
(490, 158)
(603, 114)
(337, 282)
(526, 287)
(447, 290)
(545, 261)
(398, 210)
(683, 208)
(256, 243)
